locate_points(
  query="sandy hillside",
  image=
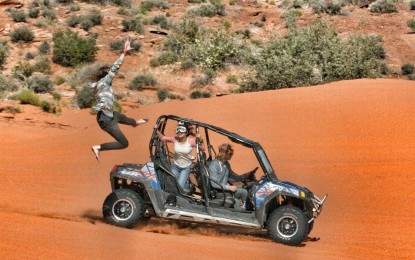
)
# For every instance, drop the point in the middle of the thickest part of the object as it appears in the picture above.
(354, 140)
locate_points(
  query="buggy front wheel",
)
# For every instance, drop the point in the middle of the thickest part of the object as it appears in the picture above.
(124, 208)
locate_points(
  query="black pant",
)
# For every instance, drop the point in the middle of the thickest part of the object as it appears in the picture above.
(110, 125)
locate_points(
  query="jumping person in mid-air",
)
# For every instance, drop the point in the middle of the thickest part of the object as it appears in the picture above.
(107, 118)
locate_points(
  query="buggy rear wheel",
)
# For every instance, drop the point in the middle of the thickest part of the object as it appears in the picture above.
(288, 225)
(124, 208)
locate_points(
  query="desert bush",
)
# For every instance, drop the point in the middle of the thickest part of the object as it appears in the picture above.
(118, 45)
(22, 34)
(148, 5)
(74, 20)
(123, 3)
(164, 58)
(383, 6)
(199, 94)
(202, 80)
(74, 8)
(34, 12)
(64, 1)
(42, 64)
(142, 80)
(86, 24)
(411, 24)
(59, 80)
(4, 52)
(49, 13)
(85, 98)
(19, 16)
(163, 94)
(23, 70)
(133, 25)
(28, 55)
(44, 47)
(312, 55)
(49, 107)
(412, 5)
(40, 84)
(290, 18)
(332, 7)
(407, 68)
(290, 4)
(232, 79)
(27, 96)
(213, 8)
(162, 21)
(70, 49)
(99, 2)
(7, 85)
(95, 17)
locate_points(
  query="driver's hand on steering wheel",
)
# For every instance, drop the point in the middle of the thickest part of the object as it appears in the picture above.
(232, 188)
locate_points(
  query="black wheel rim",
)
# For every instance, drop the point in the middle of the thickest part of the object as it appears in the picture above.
(122, 209)
(287, 227)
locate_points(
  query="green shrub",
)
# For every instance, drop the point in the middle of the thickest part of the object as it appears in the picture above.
(29, 55)
(4, 52)
(148, 5)
(85, 98)
(86, 74)
(290, 18)
(162, 21)
(59, 80)
(70, 49)
(86, 24)
(74, 20)
(164, 58)
(49, 107)
(7, 85)
(19, 16)
(49, 13)
(383, 6)
(34, 12)
(42, 64)
(133, 25)
(232, 79)
(74, 8)
(411, 24)
(142, 80)
(123, 3)
(199, 94)
(28, 97)
(22, 34)
(312, 55)
(412, 5)
(23, 68)
(56, 96)
(44, 47)
(40, 84)
(64, 1)
(162, 94)
(95, 17)
(210, 9)
(407, 68)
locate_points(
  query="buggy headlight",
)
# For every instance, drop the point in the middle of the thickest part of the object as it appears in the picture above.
(302, 194)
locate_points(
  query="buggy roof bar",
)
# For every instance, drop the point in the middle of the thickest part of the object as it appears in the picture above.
(232, 136)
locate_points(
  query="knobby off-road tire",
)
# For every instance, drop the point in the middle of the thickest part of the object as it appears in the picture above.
(288, 225)
(124, 208)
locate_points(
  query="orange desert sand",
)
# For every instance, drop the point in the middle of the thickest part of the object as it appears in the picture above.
(354, 140)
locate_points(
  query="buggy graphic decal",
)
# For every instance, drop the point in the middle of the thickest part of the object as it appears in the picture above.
(269, 188)
(147, 172)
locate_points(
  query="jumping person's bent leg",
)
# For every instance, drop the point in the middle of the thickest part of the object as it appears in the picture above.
(114, 131)
(123, 119)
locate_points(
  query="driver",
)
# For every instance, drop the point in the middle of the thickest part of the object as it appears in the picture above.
(221, 172)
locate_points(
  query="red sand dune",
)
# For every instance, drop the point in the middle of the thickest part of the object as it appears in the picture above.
(353, 139)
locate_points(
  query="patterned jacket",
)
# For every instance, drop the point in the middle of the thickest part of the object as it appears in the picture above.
(103, 90)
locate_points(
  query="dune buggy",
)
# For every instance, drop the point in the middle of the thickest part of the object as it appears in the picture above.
(142, 191)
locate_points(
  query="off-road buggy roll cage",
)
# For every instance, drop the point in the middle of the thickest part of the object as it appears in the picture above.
(161, 155)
